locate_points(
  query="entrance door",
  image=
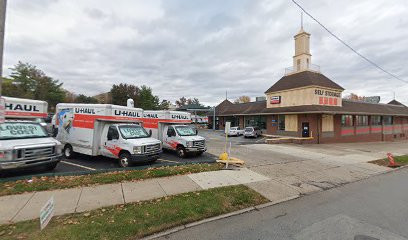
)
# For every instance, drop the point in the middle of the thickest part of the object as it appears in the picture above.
(305, 129)
(110, 143)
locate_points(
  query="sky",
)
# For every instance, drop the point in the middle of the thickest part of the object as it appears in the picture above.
(203, 48)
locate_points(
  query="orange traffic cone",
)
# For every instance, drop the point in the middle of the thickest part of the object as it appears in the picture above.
(392, 163)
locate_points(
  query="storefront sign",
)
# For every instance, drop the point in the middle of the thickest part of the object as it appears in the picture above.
(327, 93)
(275, 99)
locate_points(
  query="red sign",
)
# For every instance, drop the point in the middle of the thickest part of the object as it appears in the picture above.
(2, 109)
(275, 99)
(328, 101)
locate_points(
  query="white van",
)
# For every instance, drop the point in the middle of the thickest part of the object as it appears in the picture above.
(106, 130)
(175, 130)
(24, 142)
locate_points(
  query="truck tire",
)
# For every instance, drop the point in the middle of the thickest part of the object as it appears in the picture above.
(51, 166)
(124, 160)
(68, 152)
(181, 152)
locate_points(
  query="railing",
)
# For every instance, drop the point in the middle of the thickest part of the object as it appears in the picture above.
(311, 67)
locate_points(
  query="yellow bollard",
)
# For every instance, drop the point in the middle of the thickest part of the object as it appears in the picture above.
(223, 156)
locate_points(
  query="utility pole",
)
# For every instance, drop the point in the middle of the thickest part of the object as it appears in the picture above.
(3, 4)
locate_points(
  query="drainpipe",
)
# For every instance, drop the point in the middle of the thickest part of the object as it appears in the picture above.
(214, 119)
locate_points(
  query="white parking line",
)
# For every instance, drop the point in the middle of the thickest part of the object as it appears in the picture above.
(167, 161)
(77, 165)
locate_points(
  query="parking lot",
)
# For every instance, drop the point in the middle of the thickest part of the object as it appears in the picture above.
(84, 164)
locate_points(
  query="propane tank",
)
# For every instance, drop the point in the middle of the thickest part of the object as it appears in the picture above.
(130, 103)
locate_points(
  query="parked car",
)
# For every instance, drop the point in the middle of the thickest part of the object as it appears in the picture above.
(252, 132)
(236, 131)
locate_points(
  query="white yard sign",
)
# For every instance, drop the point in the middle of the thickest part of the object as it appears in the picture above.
(227, 127)
(2, 110)
(46, 213)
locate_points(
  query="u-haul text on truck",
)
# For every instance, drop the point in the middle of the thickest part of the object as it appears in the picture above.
(24, 142)
(108, 130)
(174, 129)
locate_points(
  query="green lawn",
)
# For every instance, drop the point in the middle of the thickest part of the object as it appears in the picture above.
(61, 182)
(400, 160)
(138, 219)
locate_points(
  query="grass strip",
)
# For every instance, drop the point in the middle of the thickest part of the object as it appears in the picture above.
(400, 160)
(62, 182)
(136, 220)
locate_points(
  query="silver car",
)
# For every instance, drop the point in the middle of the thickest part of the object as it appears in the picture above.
(252, 132)
(235, 131)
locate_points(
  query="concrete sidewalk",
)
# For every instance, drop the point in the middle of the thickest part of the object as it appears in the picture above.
(277, 182)
(15, 208)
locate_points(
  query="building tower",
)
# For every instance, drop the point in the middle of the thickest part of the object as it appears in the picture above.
(302, 59)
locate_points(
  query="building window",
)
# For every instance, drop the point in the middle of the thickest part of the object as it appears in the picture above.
(375, 120)
(347, 120)
(362, 120)
(298, 65)
(388, 120)
(281, 122)
(252, 121)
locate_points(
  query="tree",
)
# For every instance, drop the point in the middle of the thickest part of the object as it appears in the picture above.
(164, 105)
(354, 97)
(122, 92)
(85, 99)
(147, 100)
(181, 102)
(35, 84)
(243, 99)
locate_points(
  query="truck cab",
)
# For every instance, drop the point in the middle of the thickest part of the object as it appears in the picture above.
(24, 142)
(131, 143)
(183, 139)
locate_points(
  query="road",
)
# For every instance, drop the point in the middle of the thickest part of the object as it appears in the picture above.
(375, 208)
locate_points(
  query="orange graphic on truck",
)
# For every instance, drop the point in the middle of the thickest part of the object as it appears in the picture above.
(115, 150)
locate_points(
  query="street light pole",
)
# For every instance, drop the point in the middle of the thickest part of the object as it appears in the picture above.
(3, 4)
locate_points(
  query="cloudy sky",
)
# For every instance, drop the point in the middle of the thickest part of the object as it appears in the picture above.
(201, 48)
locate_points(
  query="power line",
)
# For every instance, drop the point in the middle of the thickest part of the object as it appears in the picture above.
(348, 46)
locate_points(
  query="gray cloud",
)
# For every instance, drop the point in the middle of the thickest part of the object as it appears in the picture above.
(202, 48)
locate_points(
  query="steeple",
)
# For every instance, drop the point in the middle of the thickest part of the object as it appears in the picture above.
(302, 59)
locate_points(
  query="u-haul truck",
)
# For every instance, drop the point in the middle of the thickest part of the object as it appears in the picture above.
(107, 130)
(24, 143)
(174, 129)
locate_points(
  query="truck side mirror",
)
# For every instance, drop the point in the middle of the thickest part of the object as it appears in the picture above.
(150, 132)
(109, 137)
(196, 131)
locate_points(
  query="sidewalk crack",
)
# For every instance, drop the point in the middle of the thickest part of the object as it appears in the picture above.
(15, 215)
(161, 187)
(123, 194)
(79, 198)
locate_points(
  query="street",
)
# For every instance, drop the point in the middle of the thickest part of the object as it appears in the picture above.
(375, 208)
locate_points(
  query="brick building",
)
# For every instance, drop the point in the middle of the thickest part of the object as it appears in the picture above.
(305, 103)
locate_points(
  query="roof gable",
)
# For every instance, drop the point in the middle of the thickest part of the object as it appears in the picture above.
(303, 79)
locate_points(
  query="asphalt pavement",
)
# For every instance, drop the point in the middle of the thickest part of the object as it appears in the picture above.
(84, 164)
(375, 208)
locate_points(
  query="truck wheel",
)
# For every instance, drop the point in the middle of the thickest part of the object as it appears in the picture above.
(181, 152)
(124, 160)
(51, 166)
(68, 152)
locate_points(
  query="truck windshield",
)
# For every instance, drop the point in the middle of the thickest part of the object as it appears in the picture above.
(185, 131)
(132, 131)
(21, 130)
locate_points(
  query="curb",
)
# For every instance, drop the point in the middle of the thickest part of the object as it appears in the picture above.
(212, 219)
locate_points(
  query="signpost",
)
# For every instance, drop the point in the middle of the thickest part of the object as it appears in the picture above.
(46, 213)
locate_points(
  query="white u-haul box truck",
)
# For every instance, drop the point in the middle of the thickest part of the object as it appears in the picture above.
(175, 130)
(24, 143)
(107, 130)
